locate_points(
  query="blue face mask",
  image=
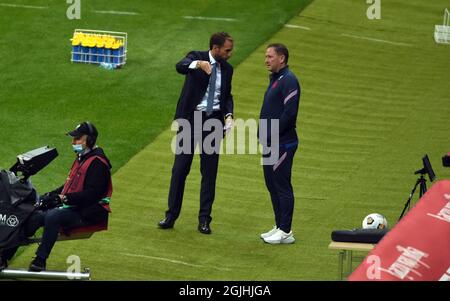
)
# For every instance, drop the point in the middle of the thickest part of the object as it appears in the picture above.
(78, 148)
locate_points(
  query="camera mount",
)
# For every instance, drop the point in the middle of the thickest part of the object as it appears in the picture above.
(421, 182)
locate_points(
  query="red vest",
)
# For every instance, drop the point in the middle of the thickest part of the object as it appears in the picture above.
(75, 181)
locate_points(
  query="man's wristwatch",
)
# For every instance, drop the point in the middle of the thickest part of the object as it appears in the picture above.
(198, 65)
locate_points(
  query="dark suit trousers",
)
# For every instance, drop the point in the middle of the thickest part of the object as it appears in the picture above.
(278, 182)
(208, 167)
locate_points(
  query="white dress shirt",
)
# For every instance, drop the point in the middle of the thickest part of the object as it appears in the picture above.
(216, 103)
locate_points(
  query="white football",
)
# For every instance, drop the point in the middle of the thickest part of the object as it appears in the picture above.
(374, 221)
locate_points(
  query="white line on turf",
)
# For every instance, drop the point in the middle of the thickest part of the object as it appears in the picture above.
(296, 26)
(375, 40)
(113, 12)
(23, 6)
(210, 18)
(175, 261)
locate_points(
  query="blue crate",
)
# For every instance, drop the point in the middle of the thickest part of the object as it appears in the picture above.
(96, 47)
(76, 50)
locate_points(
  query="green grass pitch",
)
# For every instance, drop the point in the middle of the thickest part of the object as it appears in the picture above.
(375, 99)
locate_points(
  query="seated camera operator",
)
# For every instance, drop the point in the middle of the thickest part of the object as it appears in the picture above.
(82, 200)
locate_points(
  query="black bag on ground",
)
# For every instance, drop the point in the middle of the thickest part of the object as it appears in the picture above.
(372, 236)
(17, 200)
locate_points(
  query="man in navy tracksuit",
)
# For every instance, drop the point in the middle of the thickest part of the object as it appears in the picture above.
(278, 117)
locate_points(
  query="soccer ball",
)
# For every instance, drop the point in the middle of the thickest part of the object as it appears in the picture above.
(374, 221)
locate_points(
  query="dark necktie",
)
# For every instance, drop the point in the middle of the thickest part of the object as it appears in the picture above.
(212, 90)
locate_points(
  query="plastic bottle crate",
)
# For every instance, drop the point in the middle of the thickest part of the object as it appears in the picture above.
(99, 46)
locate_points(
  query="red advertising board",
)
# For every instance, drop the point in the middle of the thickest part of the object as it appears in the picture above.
(418, 247)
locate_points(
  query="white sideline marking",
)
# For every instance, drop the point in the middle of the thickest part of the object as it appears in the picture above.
(23, 6)
(375, 40)
(210, 18)
(296, 26)
(175, 261)
(113, 12)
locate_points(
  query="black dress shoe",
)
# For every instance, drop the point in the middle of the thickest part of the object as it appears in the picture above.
(166, 224)
(204, 228)
(37, 265)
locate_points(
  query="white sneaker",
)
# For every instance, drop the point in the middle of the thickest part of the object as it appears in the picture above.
(280, 237)
(271, 232)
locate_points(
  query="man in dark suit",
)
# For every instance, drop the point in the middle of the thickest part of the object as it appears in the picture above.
(205, 103)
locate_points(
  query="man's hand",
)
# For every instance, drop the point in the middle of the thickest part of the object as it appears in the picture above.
(205, 66)
(229, 122)
(48, 201)
(63, 198)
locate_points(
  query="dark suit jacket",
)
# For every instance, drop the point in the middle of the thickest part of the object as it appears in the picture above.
(196, 83)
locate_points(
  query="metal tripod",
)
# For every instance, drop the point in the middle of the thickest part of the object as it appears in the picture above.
(423, 188)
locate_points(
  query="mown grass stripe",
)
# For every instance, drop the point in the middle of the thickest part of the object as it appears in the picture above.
(210, 18)
(376, 40)
(114, 12)
(175, 261)
(23, 6)
(297, 26)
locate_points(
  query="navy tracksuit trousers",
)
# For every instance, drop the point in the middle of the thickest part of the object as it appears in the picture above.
(278, 182)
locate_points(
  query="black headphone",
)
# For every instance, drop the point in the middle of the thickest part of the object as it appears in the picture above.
(90, 140)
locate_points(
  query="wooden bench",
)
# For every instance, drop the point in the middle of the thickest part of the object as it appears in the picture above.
(346, 254)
